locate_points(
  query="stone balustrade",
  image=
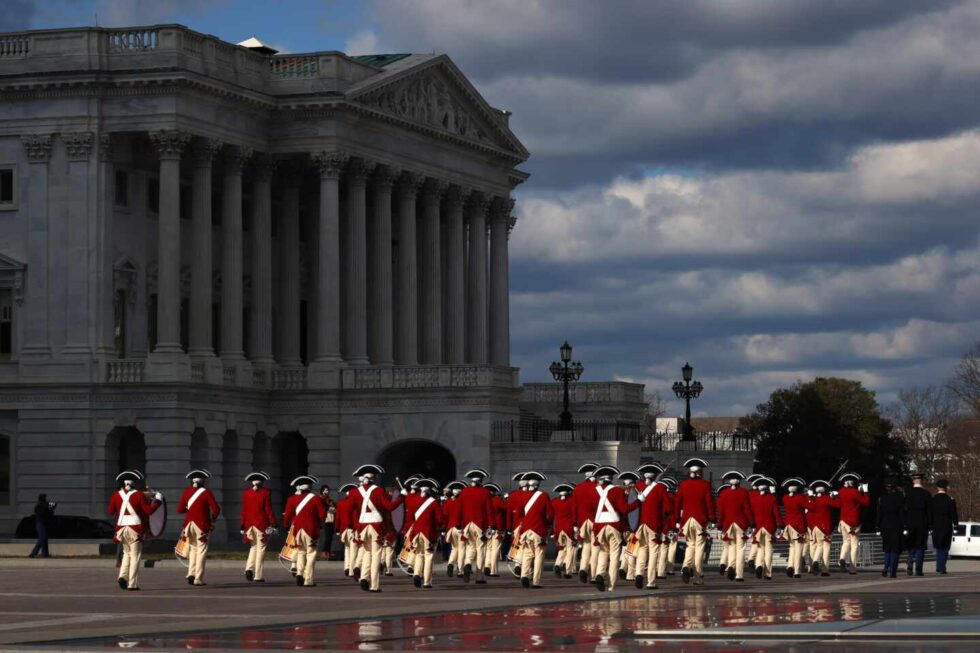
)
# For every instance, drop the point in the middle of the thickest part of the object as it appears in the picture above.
(14, 46)
(125, 371)
(129, 40)
(580, 393)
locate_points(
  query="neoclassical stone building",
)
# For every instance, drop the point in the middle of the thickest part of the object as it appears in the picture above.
(215, 255)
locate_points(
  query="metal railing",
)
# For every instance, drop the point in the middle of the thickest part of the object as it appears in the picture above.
(543, 430)
(703, 441)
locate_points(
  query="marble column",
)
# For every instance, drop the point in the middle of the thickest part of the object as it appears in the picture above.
(260, 317)
(37, 337)
(455, 288)
(407, 339)
(232, 353)
(78, 147)
(500, 210)
(170, 145)
(289, 274)
(355, 335)
(431, 270)
(476, 276)
(328, 358)
(199, 338)
(381, 322)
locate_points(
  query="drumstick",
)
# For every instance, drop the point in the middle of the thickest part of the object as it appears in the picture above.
(399, 481)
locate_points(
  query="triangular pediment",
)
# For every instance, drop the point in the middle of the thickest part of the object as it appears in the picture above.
(10, 263)
(434, 94)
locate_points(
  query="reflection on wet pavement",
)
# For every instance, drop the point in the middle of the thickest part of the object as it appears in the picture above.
(588, 626)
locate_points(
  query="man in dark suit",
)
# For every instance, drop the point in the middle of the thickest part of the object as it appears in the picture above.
(944, 520)
(918, 521)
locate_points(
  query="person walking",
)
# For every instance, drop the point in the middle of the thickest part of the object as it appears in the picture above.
(944, 520)
(918, 522)
(891, 526)
(325, 546)
(43, 512)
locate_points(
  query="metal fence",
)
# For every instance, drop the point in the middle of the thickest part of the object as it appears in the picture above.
(542, 430)
(870, 554)
(703, 441)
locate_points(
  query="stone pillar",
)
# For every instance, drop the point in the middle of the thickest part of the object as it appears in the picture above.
(324, 371)
(78, 147)
(289, 274)
(199, 338)
(500, 210)
(170, 145)
(407, 340)
(260, 318)
(37, 338)
(431, 269)
(355, 335)
(103, 265)
(381, 322)
(476, 299)
(455, 288)
(232, 353)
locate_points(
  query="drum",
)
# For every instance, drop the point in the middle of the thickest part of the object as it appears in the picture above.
(287, 555)
(514, 556)
(182, 550)
(406, 558)
(157, 522)
(632, 546)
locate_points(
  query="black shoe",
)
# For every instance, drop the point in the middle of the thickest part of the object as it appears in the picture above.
(467, 573)
(299, 580)
(259, 580)
(347, 572)
(814, 568)
(758, 572)
(249, 575)
(417, 581)
(134, 589)
(842, 564)
(686, 575)
(481, 581)
(752, 566)
(722, 569)
(123, 583)
(789, 571)
(567, 576)
(190, 580)
(292, 570)
(557, 571)
(670, 573)
(486, 571)
(731, 573)
(919, 573)
(768, 577)
(583, 576)
(600, 583)
(388, 573)
(377, 591)
(852, 573)
(661, 578)
(517, 570)
(449, 570)
(884, 572)
(908, 568)
(365, 585)
(825, 574)
(357, 572)
(622, 574)
(525, 582)
(427, 587)
(739, 580)
(943, 572)
(797, 576)
(536, 587)
(638, 581)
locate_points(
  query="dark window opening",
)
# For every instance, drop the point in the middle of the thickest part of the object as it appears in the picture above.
(122, 188)
(153, 195)
(6, 186)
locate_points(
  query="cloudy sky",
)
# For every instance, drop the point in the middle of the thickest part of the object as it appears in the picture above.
(771, 189)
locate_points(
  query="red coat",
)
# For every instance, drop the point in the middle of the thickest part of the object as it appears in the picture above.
(499, 513)
(616, 498)
(411, 503)
(586, 501)
(851, 502)
(694, 501)
(515, 505)
(476, 508)
(204, 511)
(142, 509)
(537, 515)
(652, 507)
(309, 519)
(670, 501)
(342, 518)
(451, 511)
(734, 508)
(821, 513)
(795, 506)
(257, 509)
(564, 522)
(765, 511)
(382, 504)
(431, 521)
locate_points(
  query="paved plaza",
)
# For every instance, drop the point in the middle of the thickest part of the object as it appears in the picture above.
(77, 605)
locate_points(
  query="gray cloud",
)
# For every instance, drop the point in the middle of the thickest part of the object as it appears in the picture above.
(17, 15)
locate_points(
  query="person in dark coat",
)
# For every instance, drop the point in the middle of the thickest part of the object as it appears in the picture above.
(891, 526)
(944, 520)
(918, 522)
(43, 512)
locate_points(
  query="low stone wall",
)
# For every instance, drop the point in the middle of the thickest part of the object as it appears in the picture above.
(557, 460)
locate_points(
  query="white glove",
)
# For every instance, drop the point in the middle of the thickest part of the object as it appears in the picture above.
(809, 493)
(640, 498)
(863, 487)
(749, 531)
(711, 526)
(158, 496)
(905, 532)
(242, 532)
(779, 533)
(489, 533)
(833, 493)
(404, 492)
(772, 488)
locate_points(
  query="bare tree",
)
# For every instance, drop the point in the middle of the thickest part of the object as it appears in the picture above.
(964, 461)
(921, 419)
(966, 379)
(655, 407)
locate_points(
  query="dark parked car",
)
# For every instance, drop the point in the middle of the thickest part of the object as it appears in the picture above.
(68, 527)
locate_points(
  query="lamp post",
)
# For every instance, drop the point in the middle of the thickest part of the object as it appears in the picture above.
(565, 372)
(687, 391)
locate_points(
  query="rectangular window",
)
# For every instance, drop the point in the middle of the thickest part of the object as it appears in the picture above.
(7, 186)
(974, 531)
(153, 195)
(122, 188)
(960, 530)
(5, 489)
(151, 327)
(6, 325)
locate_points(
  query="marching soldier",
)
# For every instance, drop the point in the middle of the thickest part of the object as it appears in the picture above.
(132, 509)
(428, 521)
(723, 557)
(304, 514)
(564, 529)
(611, 510)
(768, 525)
(370, 506)
(201, 509)
(257, 523)
(650, 496)
(451, 509)
(853, 497)
(345, 527)
(536, 518)
(944, 521)
(668, 553)
(890, 519)
(694, 515)
(627, 561)
(753, 545)
(586, 503)
(735, 514)
(475, 523)
(918, 521)
(795, 505)
(820, 520)
(411, 502)
(495, 542)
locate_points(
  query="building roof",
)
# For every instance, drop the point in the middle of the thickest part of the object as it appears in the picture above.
(378, 60)
(257, 45)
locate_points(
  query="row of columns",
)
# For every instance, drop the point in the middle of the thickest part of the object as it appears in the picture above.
(476, 323)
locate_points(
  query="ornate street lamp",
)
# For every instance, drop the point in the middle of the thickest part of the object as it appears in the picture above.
(566, 372)
(687, 391)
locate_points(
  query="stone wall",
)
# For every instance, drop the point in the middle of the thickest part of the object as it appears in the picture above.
(557, 460)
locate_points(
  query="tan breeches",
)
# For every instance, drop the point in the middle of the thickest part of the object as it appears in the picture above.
(305, 556)
(388, 555)
(371, 545)
(585, 533)
(132, 548)
(422, 565)
(820, 547)
(795, 539)
(723, 559)
(849, 546)
(735, 546)
(566, 552)
(256, 552)
(610, 548)
(350, 550)
(696, 538)
(475, 549)
(532, 556)
(197, 552)
(648, 556)
(456, 549)
(665, 553)
(763, 551)
(493, 553)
